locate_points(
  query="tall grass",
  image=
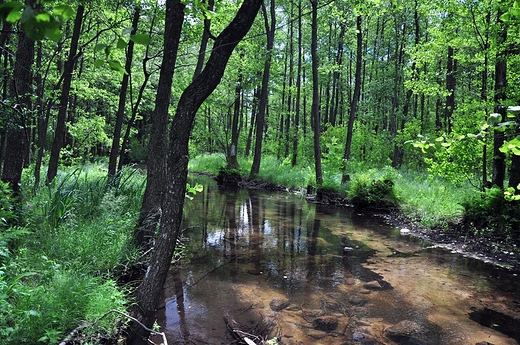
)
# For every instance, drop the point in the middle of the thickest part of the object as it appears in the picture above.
(431, 200)
(60, 266)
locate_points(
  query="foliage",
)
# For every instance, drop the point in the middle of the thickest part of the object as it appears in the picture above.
(7, 205)
(374, 189)
(60, 268)
(492, 212)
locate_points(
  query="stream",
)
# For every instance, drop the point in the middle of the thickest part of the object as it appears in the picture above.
(266, 265)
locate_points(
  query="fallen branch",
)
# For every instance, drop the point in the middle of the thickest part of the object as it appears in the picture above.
(86, 324)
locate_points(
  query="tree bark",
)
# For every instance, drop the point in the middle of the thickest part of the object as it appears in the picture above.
(499, 163)
(20, 88)
(59, 132)
(158, 145)
(114, 151)
(149, 291)
(355, 97)
(264, 92)
(315, 112)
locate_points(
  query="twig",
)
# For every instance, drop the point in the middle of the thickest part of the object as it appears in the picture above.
(78, 329)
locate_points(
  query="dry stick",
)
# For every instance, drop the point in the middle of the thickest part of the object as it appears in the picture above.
(86, 323)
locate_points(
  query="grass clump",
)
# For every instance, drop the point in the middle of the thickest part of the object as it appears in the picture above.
(430, 200)
(373, 189)
(59, 266)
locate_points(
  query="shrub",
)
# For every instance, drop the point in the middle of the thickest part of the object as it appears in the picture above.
(367, 190)
(491, 211)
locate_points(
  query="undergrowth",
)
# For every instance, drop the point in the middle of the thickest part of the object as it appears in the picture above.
(59, 265)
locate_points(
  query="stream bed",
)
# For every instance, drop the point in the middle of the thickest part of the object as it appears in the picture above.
(272, 265)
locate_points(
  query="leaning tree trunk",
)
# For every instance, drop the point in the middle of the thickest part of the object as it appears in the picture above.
(157, 147)
(59, 133)
(148, 293)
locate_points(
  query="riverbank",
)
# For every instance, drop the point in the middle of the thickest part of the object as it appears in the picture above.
(489, 246)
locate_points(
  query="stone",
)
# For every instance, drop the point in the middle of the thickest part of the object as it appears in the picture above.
(404, 330)
(404, 231)
(484, 343)
(278, 304)
(373, 285)
(325, 323)
(361, 337)
(357, 300)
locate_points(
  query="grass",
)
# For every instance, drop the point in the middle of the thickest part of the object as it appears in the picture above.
(427, 199)
(59, 266)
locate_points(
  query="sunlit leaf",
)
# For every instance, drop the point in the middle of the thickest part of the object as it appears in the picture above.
(11, 11)
(63, 11)
(116, 66)
(43, 17)
(439, 139)
(143, 39)
(121, 43)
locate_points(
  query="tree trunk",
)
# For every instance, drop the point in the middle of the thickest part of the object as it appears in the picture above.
(264, 93)
(149, 291)
(60, 129)
(20, 87)
(120, 115)
(232, 162)
(450, 88)
(296, 124)
(315, 114)
(158, 145)
(499, 164)
(355, 98)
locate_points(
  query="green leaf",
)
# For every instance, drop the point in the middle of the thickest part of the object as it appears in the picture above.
(54, 34)
(43, 17)
(143, 39)
(63, 11)
(99, 63)
(100, 46)
(439, 139)
(127, 31)
(506, 17)
(116, 66)
(11, 11)
(121, 43)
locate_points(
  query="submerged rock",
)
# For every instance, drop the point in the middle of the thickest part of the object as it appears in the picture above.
(407, 332)
(278, 304)
(373, 285)
(325, 323)
(361, 337)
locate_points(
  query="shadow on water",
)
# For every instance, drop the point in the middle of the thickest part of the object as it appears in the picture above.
(273, 265)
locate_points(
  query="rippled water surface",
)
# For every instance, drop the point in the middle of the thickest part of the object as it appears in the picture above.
(274, 265)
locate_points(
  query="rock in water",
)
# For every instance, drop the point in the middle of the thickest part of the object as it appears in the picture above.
(325, 323)
(404, 231)
(278, 304)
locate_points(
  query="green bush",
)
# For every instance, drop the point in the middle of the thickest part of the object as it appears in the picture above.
(367, 190)
(491, 211)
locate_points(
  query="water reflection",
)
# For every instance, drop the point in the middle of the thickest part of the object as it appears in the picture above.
(253, 256)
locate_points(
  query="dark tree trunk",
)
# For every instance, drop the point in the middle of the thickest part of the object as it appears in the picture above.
(315, 112)
(204, 41)
(355, 97)
(232, 162)
(158, 145)
(296, 124)
(60, 129)
(148, 293)
(20, 87)
(451, 82)
(499, 163)
(120, 115)
(264, 93)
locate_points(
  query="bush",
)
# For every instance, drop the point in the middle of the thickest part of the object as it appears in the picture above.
(366, 190)
(491, 211)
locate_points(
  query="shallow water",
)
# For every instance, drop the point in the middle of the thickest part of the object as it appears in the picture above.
(245, 250)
